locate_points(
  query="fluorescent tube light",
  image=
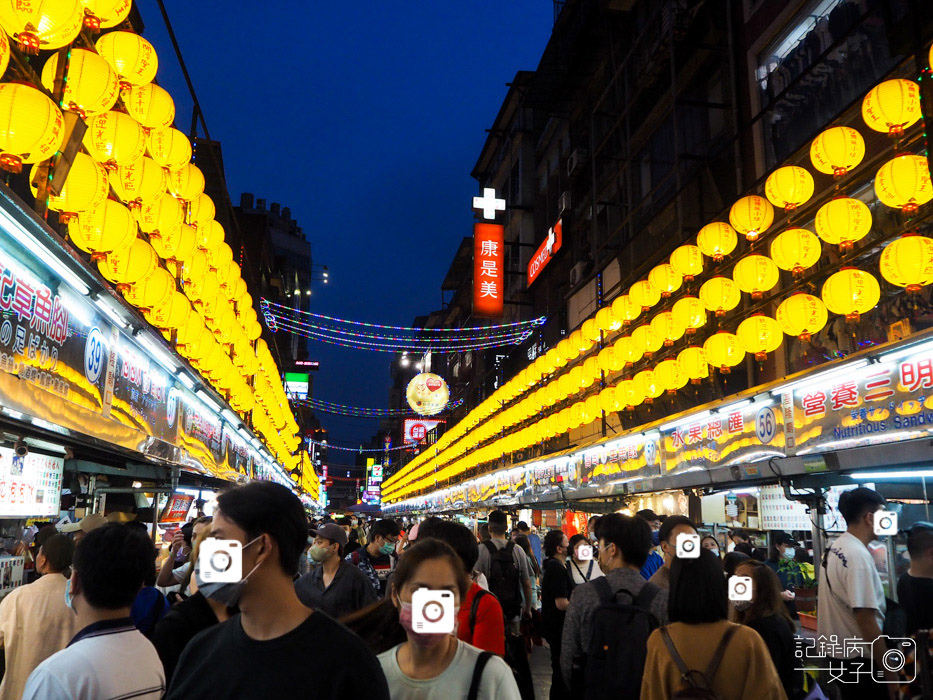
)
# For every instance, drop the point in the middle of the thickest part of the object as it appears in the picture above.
(44, 254)
(108, 307)
(207, 400)
(822, 377)
(894, 474)
(684, 421)
(158, 353)
(185, 379)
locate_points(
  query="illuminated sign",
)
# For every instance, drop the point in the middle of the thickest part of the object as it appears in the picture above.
(489, 204)
(547, 250)
(297, 384)
(30, 486)
(310, 365)
(416, 430)
(488, 269)
(176, 509)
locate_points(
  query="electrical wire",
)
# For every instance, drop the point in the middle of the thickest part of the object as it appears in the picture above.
(361, 412)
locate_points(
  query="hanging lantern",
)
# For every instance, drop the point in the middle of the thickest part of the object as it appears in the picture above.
(646, 340)
(759, 335)
(688, 261)
(717, 240)
(908, 262)
(608, 401)
(175, 245)
(693, 363)
(151, 291)
(567, 350)
(193, 270)
(169, 148)
(142, 181)
(670, 376)
(41, 25)
(720, 295)
(755, 275)
(171, 314)
(150, 105)
(114, 139)
(892, 106)
(627, 351)
(647, 385)
(211, 235)
(4, 52)
(190, 332)
(592, 409)
(201, 210)
(625, 309)
(606, 360)
(668, 327)
(132, 58)
(128, 266)
(843, 221)
(85, 188)
(90, 86)
(629, 393)
(851, 292)
(644, 295)
(751, 216)
(802, 315)
(580, 341)
(690, 313)
(666, 279)
(904, 183)
(30, 126)
(837, 150)
(795, 250)
(104, 14)
(723, 351)
(589, 328)
(104, 229)
(789, 187)
(161, 214)
(187, 182)
(605, 321)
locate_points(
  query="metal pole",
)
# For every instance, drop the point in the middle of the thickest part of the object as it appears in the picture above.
(817, 531)
(155, 516)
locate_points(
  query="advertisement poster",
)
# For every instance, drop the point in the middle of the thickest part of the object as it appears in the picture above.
(417, 429)
(635, 456)
(30, 486)
(176, 510)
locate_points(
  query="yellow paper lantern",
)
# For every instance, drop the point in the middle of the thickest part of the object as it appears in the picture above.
(606, 321)
(220, 257)
(194, 269)
(688, 261)
(837, 150)
(150, 105)
(104, 14)
(592, 409)
(211, 235)
(86, 187)
(608, 401)
(751, 216)
(626, 351)
(666, 279)
(127, 266)
(647, 385)
(30, 126)
(646, 340)
(102, 230)
(171, 314)
(720, 295)
(690, 313)
(755, 275)
(176, 244)
(789, 187)
(668, 327)
(717, 240)
(759, 335)
(580, 341)
(606, 360)
(132, 58)
(795, 250)
(191, 331)
(590, 330)
(892, 106)
(625, 309)
(187, 182)
(904, 183)
(629, 393)
(693, 363)
(114, 139)
(567, 350)
(851, 292)
(169, 148)
(142, 181)
(4, 52)
(201, 210)
(161, 214)
(90, 85)
(670, 376)
(41, 25)
(843, 221)
(802, 315)
(723, 351)
(151, 291)
(908, 262)
(644, 295)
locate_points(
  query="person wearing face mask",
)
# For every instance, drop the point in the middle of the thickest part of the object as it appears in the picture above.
(711, 543)
(781, 561)
(108, 657)
(438, 666)
(654, 561)
(378, 559)
(582, 570)
(34, 620)
(335, 587)
(264, 650)
(671, 528)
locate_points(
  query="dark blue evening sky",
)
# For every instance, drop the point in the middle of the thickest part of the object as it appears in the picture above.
(365, 118)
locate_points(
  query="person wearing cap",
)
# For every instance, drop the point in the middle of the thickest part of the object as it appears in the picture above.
(34, 620)
(85, 525)
(781, 560)
(336, 587)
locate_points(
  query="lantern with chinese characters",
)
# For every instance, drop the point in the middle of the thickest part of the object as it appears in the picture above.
(187, 182)
(629, 393)
(210, 235)
(592, 409)
(693, 363)
(169, 148)
(837, 150)
(802, 315)
(751, 216)
(666, 279)
(151, 291)
(720, 295)
(646, 340)
(175, 245)
(567, 350)
(142, 181)
(644, 295)
(789, 187)
(128, 266)
(843, 221)
(759, 335)
(668, 327)
(201, 210)
(30, 126)
(150, 105)
(892, 106)
(723, 351)
(608, 401)
(690, 313)
(41, 25)
(590, 330)
(717, 240)
(4, 52)
(904, 183)
(190, 332)
(795, 250)
(193, 270)
(908, 262)
(132, 58)
(625, 309)
(688, 261)
(90, 87)
(102, 230)
(670, 376)
(114, 139)
(851, 292)
(606, 360)
(647, 385)
(85, 188)
(628, 351)
(104, 14)
(161, 214)
(171, 314)
(755, 275)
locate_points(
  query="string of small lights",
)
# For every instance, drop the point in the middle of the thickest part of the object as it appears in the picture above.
(329, 446)
(361, 412)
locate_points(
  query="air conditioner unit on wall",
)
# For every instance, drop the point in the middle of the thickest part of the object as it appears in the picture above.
(577, 158)
(576, 274)
(563, 203)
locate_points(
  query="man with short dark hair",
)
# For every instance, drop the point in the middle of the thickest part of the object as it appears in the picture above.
(556, 587)
(654, 561)
(671, 529)
(264, 651)
(336, 586)
(743, 543)
(533, 538)
(378, 559)
(915, 587)
(498, 526)
(108, 657)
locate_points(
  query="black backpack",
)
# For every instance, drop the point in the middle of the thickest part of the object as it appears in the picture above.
(615, 662)
(504, 579)
(697, 685)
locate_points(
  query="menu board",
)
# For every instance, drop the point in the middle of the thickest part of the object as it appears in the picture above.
(30, 486)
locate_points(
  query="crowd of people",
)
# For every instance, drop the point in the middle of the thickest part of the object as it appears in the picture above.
(329, 607)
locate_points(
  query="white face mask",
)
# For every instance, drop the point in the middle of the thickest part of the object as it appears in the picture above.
(789, 553)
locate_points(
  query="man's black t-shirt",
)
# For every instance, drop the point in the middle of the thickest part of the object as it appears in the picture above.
(222, 662)
(555, 583)
(915, 594)
(180, 624)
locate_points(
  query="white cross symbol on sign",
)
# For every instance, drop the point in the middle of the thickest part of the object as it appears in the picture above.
(551, 241)
(489, 203)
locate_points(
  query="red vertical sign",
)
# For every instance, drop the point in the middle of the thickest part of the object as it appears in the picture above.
(488, 269)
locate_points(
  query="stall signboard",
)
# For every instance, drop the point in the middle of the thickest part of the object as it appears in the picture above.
(488, 269)
(777, 512)
(638, 455)
(416, 430)
(11, 573)
(30, 485)
(176, 509)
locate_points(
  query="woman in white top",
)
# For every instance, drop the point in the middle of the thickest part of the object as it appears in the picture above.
(582, 562)
(435, 665)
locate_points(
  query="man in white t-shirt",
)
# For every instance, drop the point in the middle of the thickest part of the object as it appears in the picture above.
(851, 600)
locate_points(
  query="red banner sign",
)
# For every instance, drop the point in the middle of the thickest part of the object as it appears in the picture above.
(488, 269)
(546, 251)
(176, 510)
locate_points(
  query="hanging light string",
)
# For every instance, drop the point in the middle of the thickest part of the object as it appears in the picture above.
(329, 446)
(361, 412)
